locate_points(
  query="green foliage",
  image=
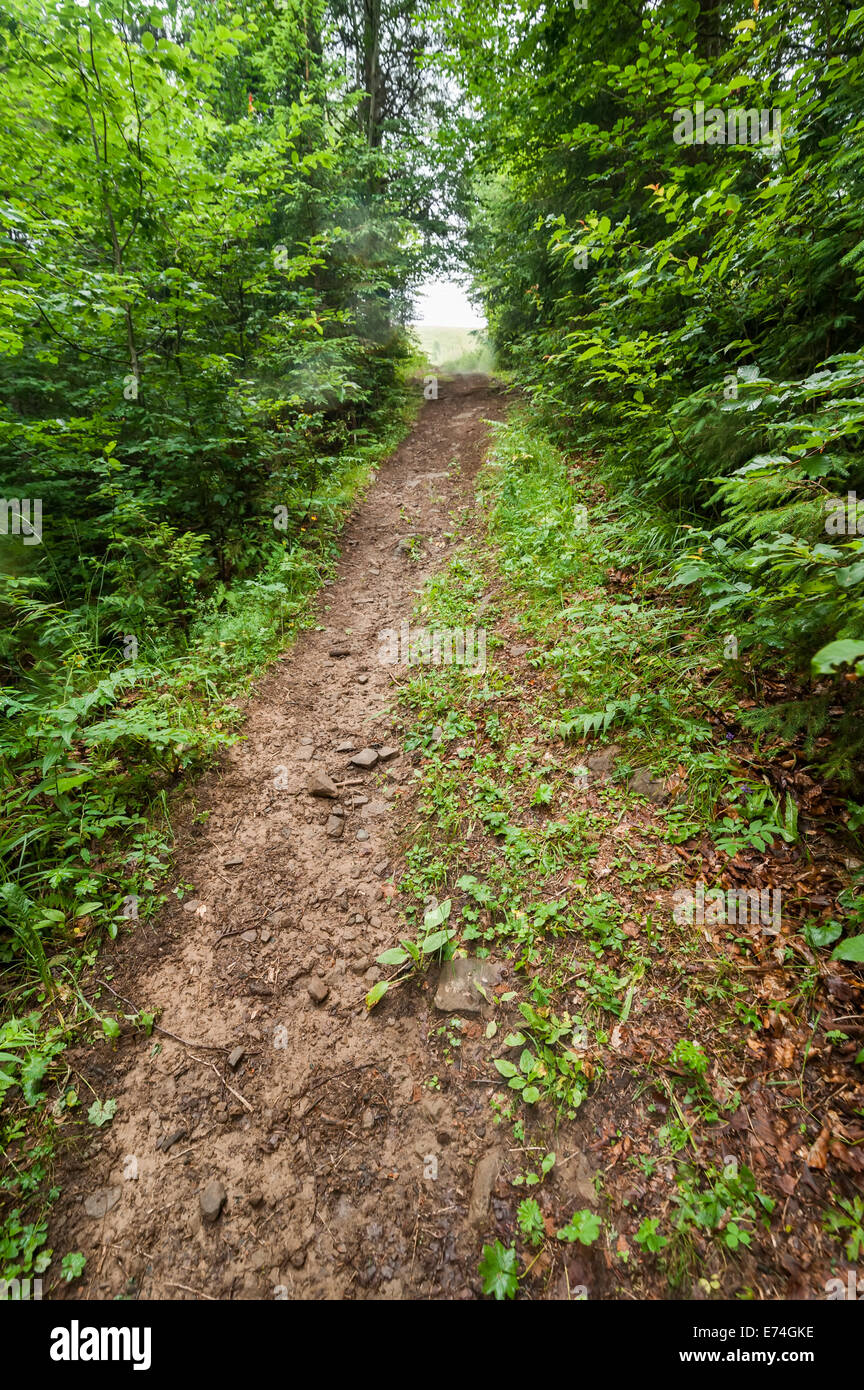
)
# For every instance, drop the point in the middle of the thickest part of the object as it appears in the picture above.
(499, 1270)
(693, 312)
(584, 1226)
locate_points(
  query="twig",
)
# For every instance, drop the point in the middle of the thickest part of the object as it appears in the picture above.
(214, 1068)
(186, 1289)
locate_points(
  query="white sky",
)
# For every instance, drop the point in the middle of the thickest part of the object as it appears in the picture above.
(445, 304)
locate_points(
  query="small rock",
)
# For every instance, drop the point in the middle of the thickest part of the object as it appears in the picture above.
(602, 762)
(266, 935)
(485, 1177)
(366, 758)
(249, 935)
(645, 785)
(100, 1202)
(339, 651)
(335, 826)
(305, 752)
(382, 869)
(192, 905)
(233, 863)
(362, 680)
(212, 1200)
(235, 1057)
(255, 1198)
(385, 754)
(346, 746)
(319, 784)
(457, 990)
(362, 834)
(317, 990)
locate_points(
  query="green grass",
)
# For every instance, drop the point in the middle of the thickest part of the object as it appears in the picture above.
(501, 839)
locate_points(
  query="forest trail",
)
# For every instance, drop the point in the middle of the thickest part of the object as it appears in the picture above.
(316, 1135)
(631, 1075)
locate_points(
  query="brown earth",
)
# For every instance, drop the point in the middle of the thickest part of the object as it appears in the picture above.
(320, 1136)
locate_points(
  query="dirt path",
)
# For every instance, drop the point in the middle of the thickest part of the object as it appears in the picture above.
(319, 1135)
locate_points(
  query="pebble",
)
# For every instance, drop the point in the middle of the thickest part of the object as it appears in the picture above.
(319, 784)
(366, 758)
(212, 1200)
(362, 834)
(235, 1057)
(317, 990)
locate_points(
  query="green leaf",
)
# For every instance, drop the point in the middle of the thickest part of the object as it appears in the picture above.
(437, 940)
(101, 1113)
(504, 1067)
(72, 1265)
(850, 949)
(584, 1226)
(377, 993)
(499, 1270)
(436, 915)
(835, 654)
(395, 956)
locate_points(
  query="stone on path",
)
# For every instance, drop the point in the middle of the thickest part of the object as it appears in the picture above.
(319, 784)
(366, 758)
(485, 1177)
(457, 990)
(212, 1200)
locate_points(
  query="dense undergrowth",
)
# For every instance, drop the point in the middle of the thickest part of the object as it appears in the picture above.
(693, 311)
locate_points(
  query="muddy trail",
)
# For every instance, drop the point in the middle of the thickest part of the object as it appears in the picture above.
(276, 1138)
(279, 1149)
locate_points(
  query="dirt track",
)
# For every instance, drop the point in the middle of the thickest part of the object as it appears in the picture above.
(320, 1134)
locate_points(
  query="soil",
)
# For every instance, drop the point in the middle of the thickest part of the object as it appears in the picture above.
(319, 1136)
